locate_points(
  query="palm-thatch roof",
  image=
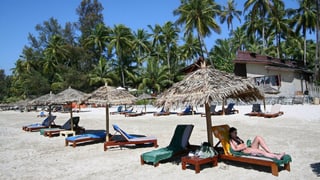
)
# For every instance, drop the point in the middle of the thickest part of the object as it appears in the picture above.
(145, 96)
(43, 100)
(70, 95)
(207, 84)
(111, 95)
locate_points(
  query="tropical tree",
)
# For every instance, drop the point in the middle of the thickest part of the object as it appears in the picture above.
(228, 13)
(278, 24)
(223, 53)
(170, 36)
(155, 77)
(304, 18)
(98, 40)
(141, 45)
(259, 9)
(90, 15)
(121, 40)
(200, 16)
(55, 55)
(239, 38)
(101, 73)
(190, 49)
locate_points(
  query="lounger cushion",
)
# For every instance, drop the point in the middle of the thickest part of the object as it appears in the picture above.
(92, 136)
(48, 129)
(222, 132)
(178, 143)
(285, 159)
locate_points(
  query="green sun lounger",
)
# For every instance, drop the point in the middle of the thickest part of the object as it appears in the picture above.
(179, 144)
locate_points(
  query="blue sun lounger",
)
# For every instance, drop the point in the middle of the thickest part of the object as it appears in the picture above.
(85, 138)
(48, 122)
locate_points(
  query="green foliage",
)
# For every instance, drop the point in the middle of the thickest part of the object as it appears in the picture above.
(56, 57)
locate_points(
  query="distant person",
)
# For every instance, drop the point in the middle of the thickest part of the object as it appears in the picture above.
(41, 114)
(238, 144)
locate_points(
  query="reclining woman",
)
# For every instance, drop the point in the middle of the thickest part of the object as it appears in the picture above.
(238, 144)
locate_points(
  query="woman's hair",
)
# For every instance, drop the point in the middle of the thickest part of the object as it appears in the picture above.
(232, 129)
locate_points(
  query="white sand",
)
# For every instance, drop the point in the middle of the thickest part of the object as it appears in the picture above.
(26, 155)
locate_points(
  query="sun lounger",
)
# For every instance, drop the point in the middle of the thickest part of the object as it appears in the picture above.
(275, 112)
(48, 122)
(128, 139)
(127, 111)
(179, 145)
(187, 111)
(162, 113)
(229, 110)
(212, 111)
(50, 132)
(85, 138)
(134, 114)
(222, 133)
(256, 110)
(119, 110)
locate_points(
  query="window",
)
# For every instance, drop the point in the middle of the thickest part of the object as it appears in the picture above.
(273, 80)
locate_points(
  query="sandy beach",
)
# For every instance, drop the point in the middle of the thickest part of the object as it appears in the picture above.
(29, 155)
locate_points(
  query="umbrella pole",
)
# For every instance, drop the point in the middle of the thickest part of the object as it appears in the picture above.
(49, 110)
(264, 104)
(223, 113)
(209, 124)
(107, 122)
(71, 119)
(145, 106)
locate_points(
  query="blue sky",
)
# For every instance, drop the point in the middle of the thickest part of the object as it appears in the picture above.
(18, 18)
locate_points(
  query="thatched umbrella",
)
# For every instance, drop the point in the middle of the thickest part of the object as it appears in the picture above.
(206, 85)
(46, 100)
(145, 97)
(110, 95)
(69, 96)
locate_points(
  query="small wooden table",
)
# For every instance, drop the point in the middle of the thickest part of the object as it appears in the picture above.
(196, 161)
(67, 133)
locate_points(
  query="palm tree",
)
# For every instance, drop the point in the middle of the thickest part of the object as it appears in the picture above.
(304, 18)
(278, 24)
(223, 53)
(157, 40)
(141, 44)
(170, 37)
(230, 12)
(190, 49)
(155, 77)
(198, 15)
(121, 40)
(239, 38)
(54, 55)
(100, 73)
(260, 9)
(98, 39)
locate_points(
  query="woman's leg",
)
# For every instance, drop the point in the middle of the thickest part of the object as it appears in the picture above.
(263, 153)
(259, 141)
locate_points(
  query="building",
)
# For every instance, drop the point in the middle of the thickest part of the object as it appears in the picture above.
(283, 78)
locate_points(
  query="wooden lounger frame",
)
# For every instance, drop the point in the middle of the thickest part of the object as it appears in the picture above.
(252, 160)
(124, 142)
(274, 167)
(83, 140)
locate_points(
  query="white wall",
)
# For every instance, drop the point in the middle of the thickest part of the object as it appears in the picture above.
(290, 81)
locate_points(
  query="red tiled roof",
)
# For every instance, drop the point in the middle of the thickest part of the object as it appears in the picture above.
(245, 57)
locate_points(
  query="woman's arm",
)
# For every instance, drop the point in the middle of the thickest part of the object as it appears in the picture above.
(236, 147)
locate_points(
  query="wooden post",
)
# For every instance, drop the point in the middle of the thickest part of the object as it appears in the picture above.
(107, 122)
(209, 124)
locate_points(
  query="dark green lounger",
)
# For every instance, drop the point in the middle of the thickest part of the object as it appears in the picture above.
(179, 144)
